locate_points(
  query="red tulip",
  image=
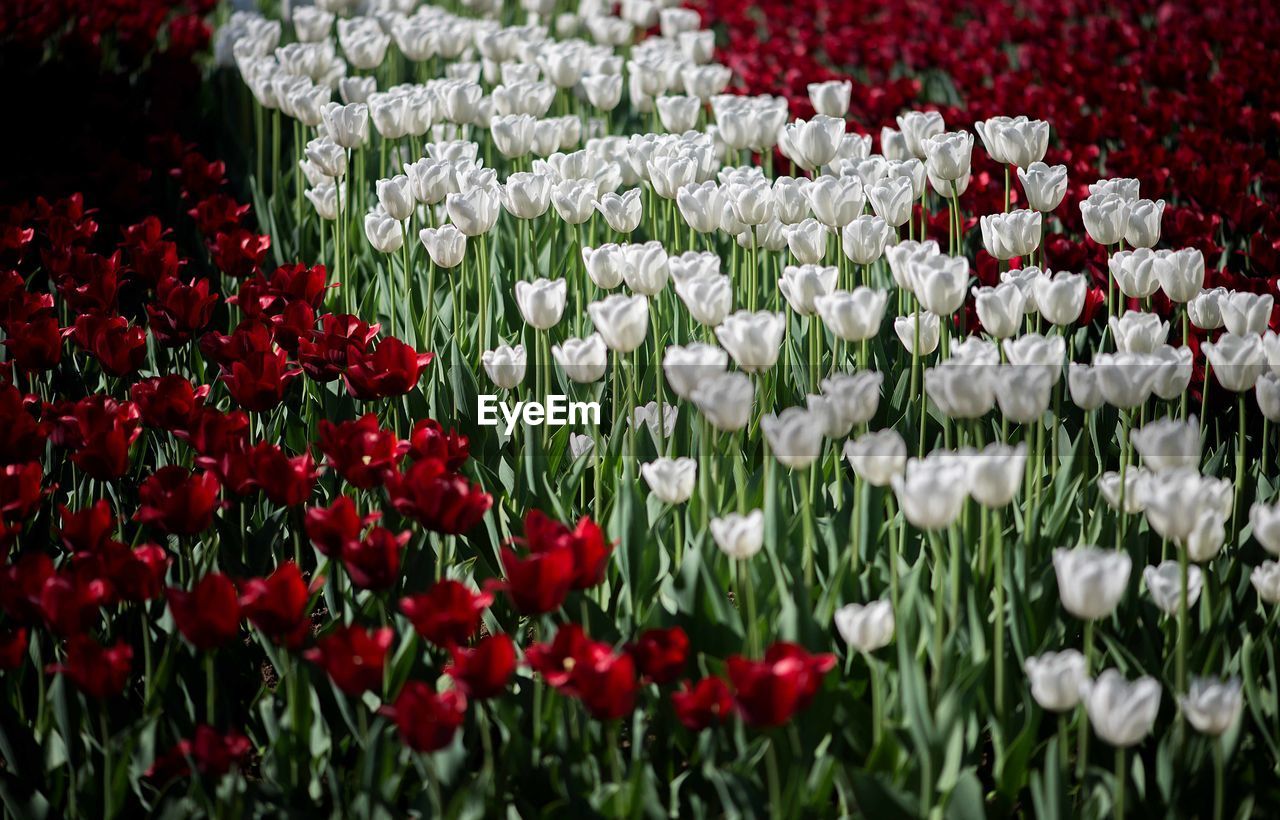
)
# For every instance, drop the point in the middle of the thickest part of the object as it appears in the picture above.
(258, 381)
(447, 614)
(441, 501)
(374, 561)
(605, 681)
(699, 705)
(586, 542)
(35, 344)
(180, 310)
(554, 660)
(168, 402)
(135, 574)
(209, 615)
(277, 604)
(101, 431)
(392, 369)
(88, 529)
(100, 672)
(426, 720)
(22, 583)
(342, 339)
(22, 438)
(363, 453)
(238, 252)
(20, 490)
(429, 440)
(353, 657)
(484, 670)
(118, 346)
(661, 654)
(13, 648)
(770, 691)
(177, 501)
(71, 602)
(285, 480)
(540, 582)
(213, 753)
(333, 529)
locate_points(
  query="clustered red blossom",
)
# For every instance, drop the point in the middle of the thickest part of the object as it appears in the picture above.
(1191, 117)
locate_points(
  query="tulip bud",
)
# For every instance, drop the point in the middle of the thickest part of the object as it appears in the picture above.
(924, 328)
(739, 536)
(1060, 297)
(1106, 216)
(1237, 361)
(866, 628)
(1122, 712)
(688, 366)
(1134, 272)
(853, 316)
(505, 365)
(1143, 227)
(1056, 679)
(726, 400)
(1246, 314)
(1016, 233)
(385, 232)
(1181, 273)
(671, 479)
(1091, 580)
(917, 128)
(877, 457)
(1266, 580)
(931, 492)
(582, 360)
(446, 245)
(621, 321)
(1164, 584)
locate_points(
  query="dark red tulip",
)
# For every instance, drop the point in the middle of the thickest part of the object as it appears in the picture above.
(447, 614)
(771, 691)
(285, 480)
(20, 490)
(71, 602)
(554, 660)
(353, 657)
(177, 501)
(239, 252)
(212, 432)
(699, 705)
(586, 542)
(213, 753)
(87, 529)
(439, 500)
(539, 582)
(333, 529)
(35, 344)
(101, 431)
(135, 574)
(13, 648)
(427, 720)
(483, 671)
(277, 604)
(430, 440)
(258, 381)
(22, 438)
(661, 654)
(605, 681)
(100, 672)
(392, 369)
(180, 310)
(118, 346)
(209, 615)
(217, 212)
(22, 583)
(363, 453)
(250, 337)
(373, 562)
(167, 402)
(341, 340)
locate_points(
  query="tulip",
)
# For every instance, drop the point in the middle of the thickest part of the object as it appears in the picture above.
(1205, 309)
(645, 269)
(347, 125)
(360, 451)
(891, 199)
(1083, 386)
(1025, 279)
(328, 156)
(931, 492)
(1143, 227)
(661, 654)
(948, 156)
(1168, 444)
(802, 285)
(1014, 141)
(580, 445)
(622, 212)
(866, 628)
(739, 536)
(853, 316)
(1265, 522)
(1164, 583)
(995, 473)
(1023, 392)
(790, 204)
(960, 391)
(1137, 332)
(1173, 373)
(1016, 233)
(446, 245)
(924, 328)
(689, 366)
(505, 365)
(1000, 309)
(1181, 273)
(1044, 185)
(1060, 297)
(671, 480)
(699, 705)
(1134, 272)
(1091, 581)
(752, 339)
(726, 400)
(100, 672)
(426, 720)
(835, 201)
(940, 282)
(1177, 504)
(447, 614)
(582, 360)
(877, 458)
(1057, 679)
(1211, 706)
(708, 297)
(864, 239)
(541, 302)
(856, 396)
(807, 241)
(678, 113)
(1122, 712)
(794, 437)
(209, 615)
(175, 500)
(525, 195)
(621, 321)
(813, 143)
(1125, 379)
(1106, 216)
(1266, 581)
(1238, 361)
(474, 212)
(769, 692)
(1246, 314)
(701, 206)
(917, 127)
(831, 98)
(1125, 188)
(1035, 352)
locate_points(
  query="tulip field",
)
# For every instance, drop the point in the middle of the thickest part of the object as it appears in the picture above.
(640, 409)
